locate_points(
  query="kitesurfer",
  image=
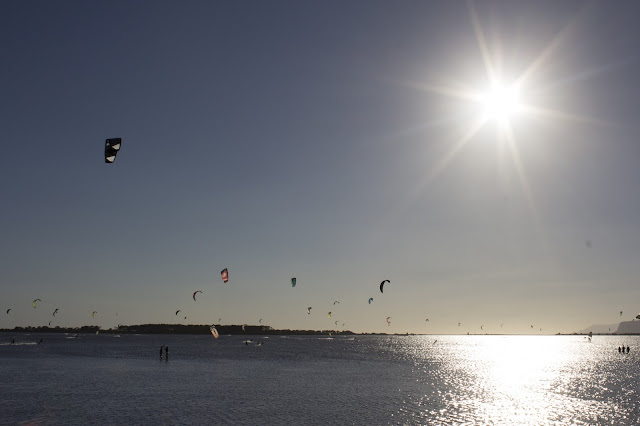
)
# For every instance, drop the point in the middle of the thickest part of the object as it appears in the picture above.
(161, 347)
(166, 353)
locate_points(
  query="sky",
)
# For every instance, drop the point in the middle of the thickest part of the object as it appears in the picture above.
(341, 143)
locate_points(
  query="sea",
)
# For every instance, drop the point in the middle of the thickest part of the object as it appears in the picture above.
(318, 380)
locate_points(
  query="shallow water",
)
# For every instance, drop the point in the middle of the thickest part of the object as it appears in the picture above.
(315, 380)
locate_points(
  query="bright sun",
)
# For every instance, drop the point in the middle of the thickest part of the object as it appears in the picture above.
(501, 102)
(506, 103)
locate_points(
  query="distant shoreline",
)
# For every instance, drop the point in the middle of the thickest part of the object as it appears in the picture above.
(245, 330)
(177, 329)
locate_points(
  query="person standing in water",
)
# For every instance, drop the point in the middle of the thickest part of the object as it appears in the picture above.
(161, 351)
(166, 353)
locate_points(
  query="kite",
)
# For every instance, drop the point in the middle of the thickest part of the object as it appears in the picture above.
(620, 313)
(382, 285)
(214, 331)
(260, 320)
(293, 282)
(329, 314)
(177, 311)
(111, 148)
(225, 275)
(388, 322)
(309, 310)
(93, 313)
(49, 323)
(243, 325)
(336, 323)
(54, 312)
(334, 303)
(8, 310)
(370, 300)
(34, 302)
(195, 292)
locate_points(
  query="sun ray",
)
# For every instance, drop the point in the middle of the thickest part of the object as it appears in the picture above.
(557, 114)
(507, 133)
(528, 192)
(556, 42)
(450, 155)
(586, 74)
(479, 122)
(482, 43)
(451, 92)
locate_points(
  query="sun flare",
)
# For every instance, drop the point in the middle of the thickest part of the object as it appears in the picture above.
(509, 104)
(501, 102)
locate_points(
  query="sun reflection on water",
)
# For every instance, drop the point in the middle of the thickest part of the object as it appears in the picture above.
(521, 380)
(519, 373)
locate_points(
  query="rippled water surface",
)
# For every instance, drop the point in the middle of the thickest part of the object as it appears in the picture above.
(102, 379)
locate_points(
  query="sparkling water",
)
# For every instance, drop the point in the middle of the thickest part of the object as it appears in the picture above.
(368, 380)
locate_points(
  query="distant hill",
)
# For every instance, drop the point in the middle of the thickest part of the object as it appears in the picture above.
(629, 327)
(600, 329)
(625, 327)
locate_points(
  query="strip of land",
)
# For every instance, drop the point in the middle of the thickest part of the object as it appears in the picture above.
(178, 329)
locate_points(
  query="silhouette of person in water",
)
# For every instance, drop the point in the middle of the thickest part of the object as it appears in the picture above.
(619, 349)
(161, 351)
(13, 341)
(166, 353)
(627, 348)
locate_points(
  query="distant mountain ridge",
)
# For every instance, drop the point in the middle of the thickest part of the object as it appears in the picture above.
(624, 327)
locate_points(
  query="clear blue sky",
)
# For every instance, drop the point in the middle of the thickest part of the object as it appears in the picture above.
(326, 141)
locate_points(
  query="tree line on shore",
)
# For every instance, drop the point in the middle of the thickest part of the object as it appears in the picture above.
(177, 329)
